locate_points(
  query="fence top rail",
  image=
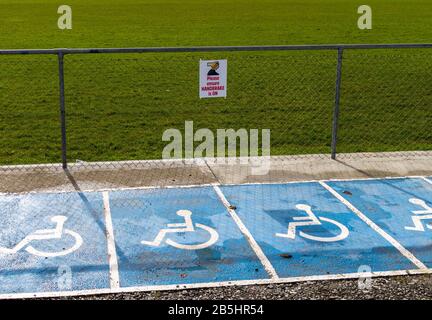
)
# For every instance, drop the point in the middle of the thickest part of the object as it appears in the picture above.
(214, 49)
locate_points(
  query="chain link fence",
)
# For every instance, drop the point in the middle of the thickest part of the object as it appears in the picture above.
(386, 101)
(104, 129)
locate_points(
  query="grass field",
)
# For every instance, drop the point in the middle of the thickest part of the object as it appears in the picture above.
(118, 106)
(126, 23)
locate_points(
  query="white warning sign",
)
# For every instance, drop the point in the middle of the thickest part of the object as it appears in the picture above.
(213, 78)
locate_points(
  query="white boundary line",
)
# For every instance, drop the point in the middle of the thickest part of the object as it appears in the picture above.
(118, 289)
(409, 155)
(340, 276)
(255, 247)
(375, 227)
(112, 254)
(427, 180)
(205, 185)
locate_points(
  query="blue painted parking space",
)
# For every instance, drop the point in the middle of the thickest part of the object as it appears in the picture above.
(401, 207)
(167, 237)
(178, 236)
(304, 230)
(52, 242)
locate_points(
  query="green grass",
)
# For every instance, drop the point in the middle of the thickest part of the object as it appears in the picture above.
(109, 23)
(119, 105)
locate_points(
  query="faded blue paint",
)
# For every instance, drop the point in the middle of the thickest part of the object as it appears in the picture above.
(23, 272)
(265, 210)
(140, 215)
(386, 202)
(268, 209)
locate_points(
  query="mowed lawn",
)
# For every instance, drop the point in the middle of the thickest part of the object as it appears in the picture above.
(118, 106)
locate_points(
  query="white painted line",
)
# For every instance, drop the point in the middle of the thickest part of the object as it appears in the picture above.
(375, 227)
(427, 180)
(382, 156)
(109, 189)
(216, 284)
(112, 253)
(157, 187)
(255, 247)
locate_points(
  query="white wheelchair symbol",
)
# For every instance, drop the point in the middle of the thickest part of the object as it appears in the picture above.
(47, 234)
(425, 214)
(312, 220)
(187, 226)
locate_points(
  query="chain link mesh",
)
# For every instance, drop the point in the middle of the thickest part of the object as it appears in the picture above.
(386, 101)
(119, 105)
(126, 102)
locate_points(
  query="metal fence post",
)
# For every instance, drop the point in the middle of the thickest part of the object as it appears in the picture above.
(62, 109)
(336, 105)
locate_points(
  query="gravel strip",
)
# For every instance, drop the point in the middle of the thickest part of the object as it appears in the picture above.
(402, 287)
